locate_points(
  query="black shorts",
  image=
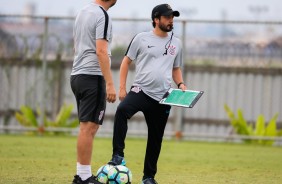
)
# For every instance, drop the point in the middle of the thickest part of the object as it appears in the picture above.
(90, 94)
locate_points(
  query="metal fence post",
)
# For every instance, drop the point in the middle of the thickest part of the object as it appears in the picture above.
(44, 74)
(180, 110)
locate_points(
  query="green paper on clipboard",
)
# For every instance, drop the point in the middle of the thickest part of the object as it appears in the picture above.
(177, 97)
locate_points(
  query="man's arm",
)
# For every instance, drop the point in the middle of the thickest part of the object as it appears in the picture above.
(178, 79)
(104, 61)
(123, 76)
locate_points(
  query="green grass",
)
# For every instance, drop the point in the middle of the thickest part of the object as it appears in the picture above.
(52, 160)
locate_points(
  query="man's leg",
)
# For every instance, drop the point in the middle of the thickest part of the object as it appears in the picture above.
(90, 94)
(85, 138)
(156, 119)
(126, 109)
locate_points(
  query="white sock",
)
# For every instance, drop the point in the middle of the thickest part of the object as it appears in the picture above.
(83, 171)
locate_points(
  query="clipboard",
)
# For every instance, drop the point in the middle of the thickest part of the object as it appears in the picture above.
(177, 97)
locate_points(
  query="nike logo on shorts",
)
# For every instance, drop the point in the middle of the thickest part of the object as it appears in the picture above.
(150, 46)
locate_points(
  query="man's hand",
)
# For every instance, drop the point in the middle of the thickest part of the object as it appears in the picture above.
(122, 93)
(183, 87)
(111, 93)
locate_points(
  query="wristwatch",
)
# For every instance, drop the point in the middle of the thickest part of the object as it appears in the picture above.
(178, 85)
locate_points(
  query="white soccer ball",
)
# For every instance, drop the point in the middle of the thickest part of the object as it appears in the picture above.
(102, 173)
(119, 175)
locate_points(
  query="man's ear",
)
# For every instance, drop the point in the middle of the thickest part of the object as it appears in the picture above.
(157, 20)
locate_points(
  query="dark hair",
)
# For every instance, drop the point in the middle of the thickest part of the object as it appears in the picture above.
(154, 23)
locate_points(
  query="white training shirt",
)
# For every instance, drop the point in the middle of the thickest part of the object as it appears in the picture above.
(92, 23)
(153, 67)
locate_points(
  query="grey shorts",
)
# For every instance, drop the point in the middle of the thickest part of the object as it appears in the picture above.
(90, 94)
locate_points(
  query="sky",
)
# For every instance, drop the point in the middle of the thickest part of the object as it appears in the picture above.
(189, 9)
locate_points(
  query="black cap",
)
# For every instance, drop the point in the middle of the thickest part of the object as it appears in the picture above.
(163, 10)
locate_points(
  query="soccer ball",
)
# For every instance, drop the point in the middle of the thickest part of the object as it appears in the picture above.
(119, 175)
(102, 173)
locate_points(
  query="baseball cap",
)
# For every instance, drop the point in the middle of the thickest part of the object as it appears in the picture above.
(163, 10)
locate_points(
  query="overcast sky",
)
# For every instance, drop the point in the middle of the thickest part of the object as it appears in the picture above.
(196, 9)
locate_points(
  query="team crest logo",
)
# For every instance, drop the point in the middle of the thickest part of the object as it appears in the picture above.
(172, 50)
(136, 89)
(101, 115)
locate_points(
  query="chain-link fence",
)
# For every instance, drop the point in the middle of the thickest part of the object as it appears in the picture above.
(205, 41)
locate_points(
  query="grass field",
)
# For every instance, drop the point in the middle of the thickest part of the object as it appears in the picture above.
(51, 160)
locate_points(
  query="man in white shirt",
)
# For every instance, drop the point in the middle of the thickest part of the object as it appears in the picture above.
(157, 55)
(91, 79)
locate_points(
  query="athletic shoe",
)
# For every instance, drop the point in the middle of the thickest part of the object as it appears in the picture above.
(90, 180)
(76, 179)
(149, 181)
(117, 160)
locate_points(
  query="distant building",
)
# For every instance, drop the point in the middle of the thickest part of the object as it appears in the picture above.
(29, 10)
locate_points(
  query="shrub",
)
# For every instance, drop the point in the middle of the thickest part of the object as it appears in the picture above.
(28, 118)
(241, 126)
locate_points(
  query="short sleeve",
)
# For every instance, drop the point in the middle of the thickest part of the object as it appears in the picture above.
(133, 47)
(103, 26)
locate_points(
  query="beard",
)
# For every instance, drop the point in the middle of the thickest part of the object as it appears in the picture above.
(113, 4)
(166, 28)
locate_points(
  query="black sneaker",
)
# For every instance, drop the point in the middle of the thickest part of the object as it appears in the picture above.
(117, 160)
(76, 179)
(149, 181)
(90, 180)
